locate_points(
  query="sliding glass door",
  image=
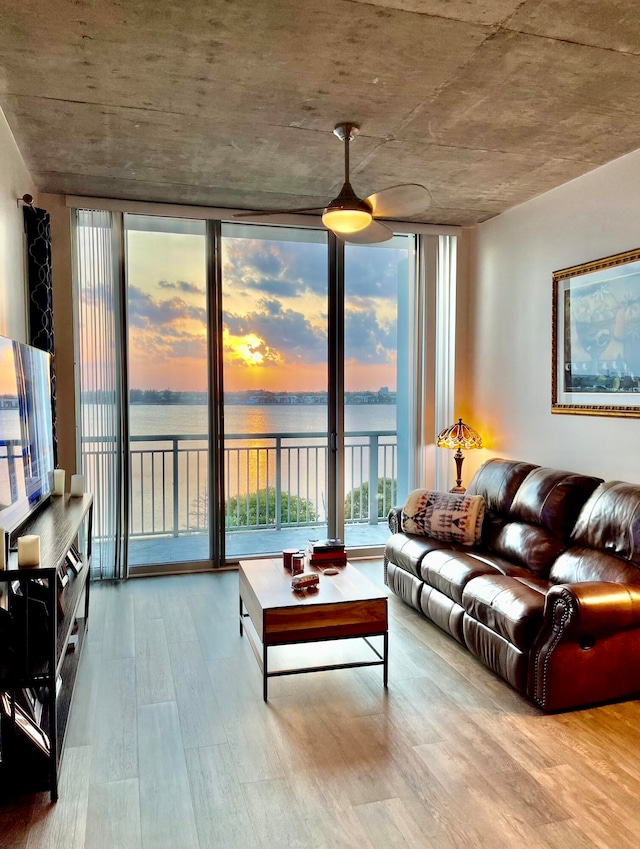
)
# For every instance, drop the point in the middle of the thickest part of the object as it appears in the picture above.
(167, 372)
(379, 285)
(275, 307)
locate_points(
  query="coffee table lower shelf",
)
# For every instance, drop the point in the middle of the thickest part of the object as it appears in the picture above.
(262, 656)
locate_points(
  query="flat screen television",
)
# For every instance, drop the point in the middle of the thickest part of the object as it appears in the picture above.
(26, 431)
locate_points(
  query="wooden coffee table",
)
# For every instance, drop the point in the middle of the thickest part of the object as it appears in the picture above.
(344, 606)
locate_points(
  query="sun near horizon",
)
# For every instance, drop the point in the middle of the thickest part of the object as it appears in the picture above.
(274, 310)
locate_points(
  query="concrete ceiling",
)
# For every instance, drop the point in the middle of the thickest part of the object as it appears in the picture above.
(232, 103)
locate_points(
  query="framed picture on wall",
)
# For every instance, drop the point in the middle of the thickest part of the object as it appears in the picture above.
(596, 337)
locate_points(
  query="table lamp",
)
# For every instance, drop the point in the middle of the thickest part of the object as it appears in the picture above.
(459, 436)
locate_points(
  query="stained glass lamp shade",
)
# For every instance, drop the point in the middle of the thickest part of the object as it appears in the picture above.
(459, 436)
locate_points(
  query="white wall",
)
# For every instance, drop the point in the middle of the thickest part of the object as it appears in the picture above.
(15, 181)
(508, 367)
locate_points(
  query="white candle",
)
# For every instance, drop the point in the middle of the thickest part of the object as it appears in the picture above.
(77, 485)
(29, 550)
(58, 481)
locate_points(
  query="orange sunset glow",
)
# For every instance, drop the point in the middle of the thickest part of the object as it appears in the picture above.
(7, 369)
(274, 313)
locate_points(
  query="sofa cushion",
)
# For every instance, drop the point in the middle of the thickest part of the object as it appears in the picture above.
(610, 521)
(497, 481)
(408, 551)
(552, 499)
(530, 546)
(405, 585)
(579, 564)
(496, 653)
(507, 606)
(535, 530)
(446, 516)
(447, 614)
(449, 571)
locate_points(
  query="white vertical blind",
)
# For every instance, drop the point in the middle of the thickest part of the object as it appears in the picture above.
(445, 350)
(420, 375)
(97, 382)
(434, 351)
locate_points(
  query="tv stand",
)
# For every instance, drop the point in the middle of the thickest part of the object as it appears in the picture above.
(47, 610)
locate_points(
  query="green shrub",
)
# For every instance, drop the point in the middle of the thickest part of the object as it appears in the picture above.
(387, 493)
(259, 508)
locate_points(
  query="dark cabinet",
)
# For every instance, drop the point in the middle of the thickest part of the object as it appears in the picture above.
(43, 622)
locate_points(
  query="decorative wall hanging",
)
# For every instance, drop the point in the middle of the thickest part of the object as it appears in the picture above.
(38, 239)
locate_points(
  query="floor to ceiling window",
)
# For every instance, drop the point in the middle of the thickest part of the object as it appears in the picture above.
(167, 370)
(320, 349)
(275, 313)
(379, 285)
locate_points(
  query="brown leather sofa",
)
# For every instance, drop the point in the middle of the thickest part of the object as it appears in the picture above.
(549, 599)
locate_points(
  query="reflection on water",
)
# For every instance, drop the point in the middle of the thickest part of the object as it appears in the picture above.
(148, 419)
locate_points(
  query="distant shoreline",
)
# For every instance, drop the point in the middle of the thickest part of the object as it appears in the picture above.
(390, 402)
(256, 399)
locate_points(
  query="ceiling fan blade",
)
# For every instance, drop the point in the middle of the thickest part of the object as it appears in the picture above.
(277, 212)
(374, 232)
(400, 201)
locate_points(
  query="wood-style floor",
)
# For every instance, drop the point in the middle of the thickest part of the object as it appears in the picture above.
(170, 744)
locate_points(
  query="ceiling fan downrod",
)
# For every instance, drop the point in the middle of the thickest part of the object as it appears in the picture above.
(346, 132)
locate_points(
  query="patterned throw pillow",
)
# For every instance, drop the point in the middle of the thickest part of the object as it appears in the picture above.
(445, 516)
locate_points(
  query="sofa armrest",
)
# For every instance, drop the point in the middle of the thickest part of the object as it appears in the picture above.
(395, 520)
(588, 649)
(592, 608)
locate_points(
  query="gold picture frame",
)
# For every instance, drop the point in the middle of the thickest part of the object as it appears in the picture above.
(596, 337)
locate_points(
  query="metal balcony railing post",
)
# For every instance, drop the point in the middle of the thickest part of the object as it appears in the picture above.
(11, 445)
(176, 512)
(278, 516)
(373, 479)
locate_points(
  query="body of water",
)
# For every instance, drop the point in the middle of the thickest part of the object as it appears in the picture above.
(156, 419)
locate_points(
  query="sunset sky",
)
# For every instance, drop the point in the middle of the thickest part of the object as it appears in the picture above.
(274, 310)
(7, 368)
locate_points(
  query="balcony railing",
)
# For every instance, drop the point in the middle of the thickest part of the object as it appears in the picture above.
(10, 453)
(272, 481)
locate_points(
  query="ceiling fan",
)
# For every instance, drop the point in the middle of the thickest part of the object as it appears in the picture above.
(355, 220)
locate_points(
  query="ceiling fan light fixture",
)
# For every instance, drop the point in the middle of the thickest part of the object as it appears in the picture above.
(347, 213)
(346, 220)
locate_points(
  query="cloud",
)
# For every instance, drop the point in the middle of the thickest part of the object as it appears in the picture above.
(169, 348)
(274, 286)
(148, 312)
(308, 263)
(372, 273)
(288, 335)
(250, 348)
(293, 269)
(182, 286)
(190, 346)
(274, 268)
(368, 340)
